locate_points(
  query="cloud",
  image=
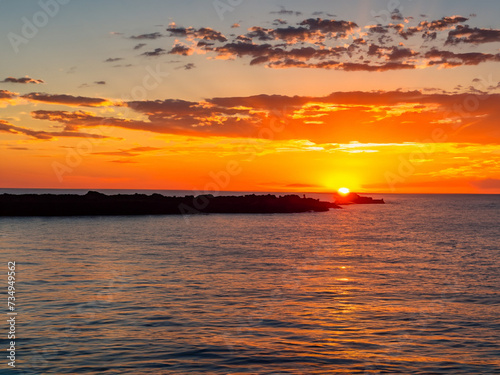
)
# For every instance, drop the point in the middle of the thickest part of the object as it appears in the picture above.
(393, 53)
(139, 46)
(100, 82)
(329, 26)
(23, 80)
(393, 116)
(451, 59)
(113, 59)
(284, 11)
(128, 152)
(7, 127)
(69, 100)
(487, 184)
(8, 98)
(205, 33)
(443, 23)
(298, 185)
(396, 15)
(181, 50)
(73, 121)
(349, 67)
(6, 95)
(466, 34)
(279, 21)
(187, 66)
(121, 161)
(156, 52)
(149, 36)
(317, 43)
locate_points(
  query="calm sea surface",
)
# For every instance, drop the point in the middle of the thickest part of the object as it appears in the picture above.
(411, 287)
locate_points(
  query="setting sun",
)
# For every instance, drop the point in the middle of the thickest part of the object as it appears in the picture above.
(343, 191)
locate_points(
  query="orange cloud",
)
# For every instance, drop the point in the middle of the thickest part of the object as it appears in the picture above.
(23, 80)
(340, 117)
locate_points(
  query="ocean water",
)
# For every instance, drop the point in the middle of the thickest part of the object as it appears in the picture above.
(410, 287)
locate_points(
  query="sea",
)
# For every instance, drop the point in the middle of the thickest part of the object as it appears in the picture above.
(409, 287)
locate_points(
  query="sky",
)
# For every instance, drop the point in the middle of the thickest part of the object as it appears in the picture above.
(395, 96)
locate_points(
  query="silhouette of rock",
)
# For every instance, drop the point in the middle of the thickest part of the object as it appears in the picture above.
(353, 198)
(95, 203)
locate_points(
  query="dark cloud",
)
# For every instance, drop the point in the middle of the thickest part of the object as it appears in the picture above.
(177, 31)
(69, 100)
(149, 36)
(279, 21)
(205, 33)
(73, 121)
(6, 95)
(260, 33)
(209, 34)
(396, 15)
(443, 23)
(113, 59)
(401, 53)
(7, 127)
(154, 53)
(100, 82)
(466, 34)
(139, 46)
(23, 80)
(276, 57)
(179, 49)
(329, 26)
(243, 38)
(286, 12)
(450, 59)
(378, 29)
(391, 53)
(319, 43)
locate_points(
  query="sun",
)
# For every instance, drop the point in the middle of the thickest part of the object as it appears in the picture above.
(344, 191)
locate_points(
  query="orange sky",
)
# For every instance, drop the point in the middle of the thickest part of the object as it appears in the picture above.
(268, 99)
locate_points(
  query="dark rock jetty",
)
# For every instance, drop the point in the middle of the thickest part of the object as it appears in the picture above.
(353, 198)
(94, 203)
